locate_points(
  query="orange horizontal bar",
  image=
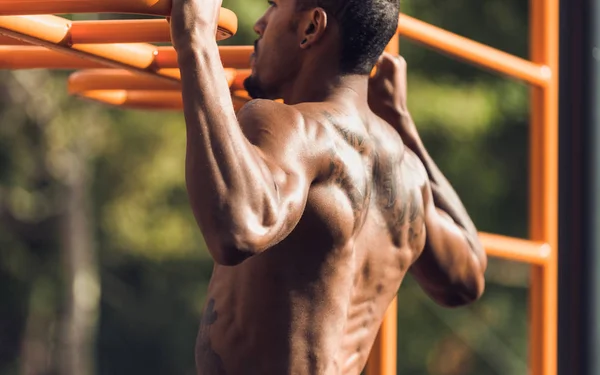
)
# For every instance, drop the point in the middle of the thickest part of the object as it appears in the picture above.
(473, 52)
(146, 100)
(129, 31)
(113, 79)
(23, 7)
(515, 249)
(116, 79)
(35, 57)
(52, 32)
(238, 92)
(236, 57)
(121, 31)
(51, 29)
(129, 90)
(117, 31)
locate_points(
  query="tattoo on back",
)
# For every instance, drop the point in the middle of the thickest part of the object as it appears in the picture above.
(356, 140)
(398, 198)
(208, 361)
(356, 184)
(391, 183)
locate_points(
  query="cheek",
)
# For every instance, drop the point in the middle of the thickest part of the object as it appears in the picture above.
(277, 68)
(282, 54)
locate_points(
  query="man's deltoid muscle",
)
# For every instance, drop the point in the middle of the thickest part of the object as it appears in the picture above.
(313, 210)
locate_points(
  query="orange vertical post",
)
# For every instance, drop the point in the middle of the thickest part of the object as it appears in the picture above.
(394, 44)
(383, 357)
(543, 195)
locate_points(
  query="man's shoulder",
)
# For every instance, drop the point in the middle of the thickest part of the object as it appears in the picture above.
(268, 111)
(285, 130)
(259, 115)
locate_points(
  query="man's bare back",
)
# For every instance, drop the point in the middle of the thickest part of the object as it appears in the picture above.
(315, 210)
(316, 300)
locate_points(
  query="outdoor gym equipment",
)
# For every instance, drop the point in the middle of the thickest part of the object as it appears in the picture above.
(32, 36)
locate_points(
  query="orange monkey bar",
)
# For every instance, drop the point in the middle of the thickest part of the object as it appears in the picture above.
(137, 99)
(149, 100)
(54, 32)
(113, 79)
(126, 89)
(61, 31)
(25, 7)
(35, 57)
(130, 31)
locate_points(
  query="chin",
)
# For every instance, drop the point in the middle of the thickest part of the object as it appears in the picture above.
(255, 88)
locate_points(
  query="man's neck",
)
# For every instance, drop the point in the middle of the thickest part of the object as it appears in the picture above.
(321, 85)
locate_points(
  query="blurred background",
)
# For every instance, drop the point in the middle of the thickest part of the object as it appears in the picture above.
(103, 270)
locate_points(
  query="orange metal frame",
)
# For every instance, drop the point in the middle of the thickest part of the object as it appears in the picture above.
(149, 78)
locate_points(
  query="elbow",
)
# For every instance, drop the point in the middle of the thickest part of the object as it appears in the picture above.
(470, 288)
(231, 250)
(240, 237)
(464, 294)
(227, 254)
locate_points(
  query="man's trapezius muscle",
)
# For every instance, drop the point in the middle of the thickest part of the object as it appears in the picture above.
(313, 210)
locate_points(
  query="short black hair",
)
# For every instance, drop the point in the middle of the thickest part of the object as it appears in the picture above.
(366, 27)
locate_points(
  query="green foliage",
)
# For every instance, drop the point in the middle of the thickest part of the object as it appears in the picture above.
(146, 213)
(153, 262)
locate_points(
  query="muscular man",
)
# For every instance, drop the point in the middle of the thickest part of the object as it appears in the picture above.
(313, 210)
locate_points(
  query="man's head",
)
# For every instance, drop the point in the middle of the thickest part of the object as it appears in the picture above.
(347, 34)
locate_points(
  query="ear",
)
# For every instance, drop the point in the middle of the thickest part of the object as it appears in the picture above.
(313, 27)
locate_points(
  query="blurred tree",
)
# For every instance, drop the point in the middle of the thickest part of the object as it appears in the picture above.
(44, 207)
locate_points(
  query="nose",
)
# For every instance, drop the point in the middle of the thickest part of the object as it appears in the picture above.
(259, 26)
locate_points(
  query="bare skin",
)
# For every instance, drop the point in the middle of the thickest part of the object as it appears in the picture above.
(314, 210)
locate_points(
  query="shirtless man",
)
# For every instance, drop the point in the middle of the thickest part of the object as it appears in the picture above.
(313, 210)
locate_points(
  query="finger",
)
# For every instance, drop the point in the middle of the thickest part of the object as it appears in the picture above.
(404, 69)
(399, 61)
(375, 72)
(401, 66)
(387, 64)
(386, 57)
(403, 63)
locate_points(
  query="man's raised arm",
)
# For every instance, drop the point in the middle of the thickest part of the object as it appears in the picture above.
(452, 265)
(246, 196)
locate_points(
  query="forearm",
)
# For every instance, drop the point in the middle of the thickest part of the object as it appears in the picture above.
(445, 197)
(229, 187)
